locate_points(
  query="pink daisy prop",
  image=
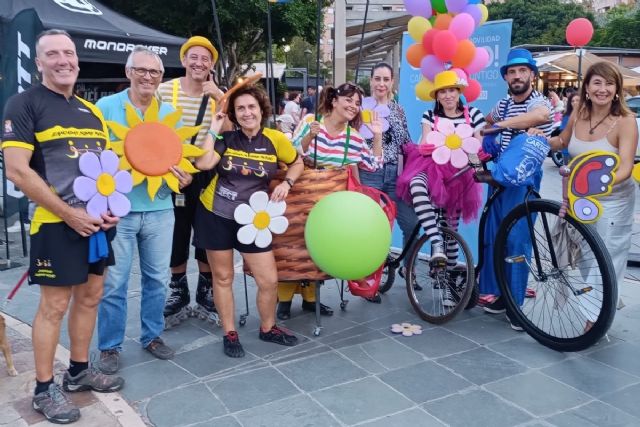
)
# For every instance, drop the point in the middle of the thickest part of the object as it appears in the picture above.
(453, 143)
(369, 105)
(102, 185)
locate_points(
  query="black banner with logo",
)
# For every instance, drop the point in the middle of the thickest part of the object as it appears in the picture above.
(19, 72)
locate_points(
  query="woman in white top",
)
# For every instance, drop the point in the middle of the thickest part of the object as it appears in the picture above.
(603, 121)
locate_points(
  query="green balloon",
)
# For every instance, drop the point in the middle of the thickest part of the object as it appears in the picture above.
(347, 235)
(439, 6)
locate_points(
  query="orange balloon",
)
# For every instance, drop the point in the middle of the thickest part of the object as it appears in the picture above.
(465, 52)
(415, 53)
(442, 21)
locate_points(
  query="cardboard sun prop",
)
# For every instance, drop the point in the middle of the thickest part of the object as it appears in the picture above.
(149, 147)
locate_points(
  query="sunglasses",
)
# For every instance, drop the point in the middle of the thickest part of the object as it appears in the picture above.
(349, 88)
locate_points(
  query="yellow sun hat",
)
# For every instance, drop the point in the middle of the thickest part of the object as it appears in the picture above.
(447, 79)
(198, 41)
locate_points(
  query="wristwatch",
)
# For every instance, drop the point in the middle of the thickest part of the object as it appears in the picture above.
(289, 181)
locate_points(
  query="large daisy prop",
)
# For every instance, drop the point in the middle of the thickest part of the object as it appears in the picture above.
(453, 143)
(369, 106)
(259, 219)
(102, 186)
(149, 147)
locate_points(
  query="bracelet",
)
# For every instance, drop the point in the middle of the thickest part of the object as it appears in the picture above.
(289, 181)
(214, 135)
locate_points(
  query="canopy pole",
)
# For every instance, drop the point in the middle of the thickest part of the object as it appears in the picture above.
(269, 65)
(364, 25)
(318, 18)
(216, 22)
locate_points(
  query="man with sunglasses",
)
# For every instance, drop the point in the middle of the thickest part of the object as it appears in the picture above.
(149, 226)
(196, 95)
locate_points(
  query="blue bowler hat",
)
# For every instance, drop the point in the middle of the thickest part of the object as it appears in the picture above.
(519, 57)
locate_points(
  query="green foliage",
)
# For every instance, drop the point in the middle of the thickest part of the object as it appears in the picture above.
(538, 21)
(242, 23)
(621, 28)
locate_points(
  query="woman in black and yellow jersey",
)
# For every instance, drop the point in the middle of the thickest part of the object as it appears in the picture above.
(245, 160)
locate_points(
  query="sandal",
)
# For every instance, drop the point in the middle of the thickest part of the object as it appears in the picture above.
(416, 286)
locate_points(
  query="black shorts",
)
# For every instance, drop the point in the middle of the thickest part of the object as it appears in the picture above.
(215, 233)
(59, 256)
(185, 217)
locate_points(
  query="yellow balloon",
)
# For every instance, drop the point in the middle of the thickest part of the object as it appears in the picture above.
(417, 27)
(423, 90)
(485, 13)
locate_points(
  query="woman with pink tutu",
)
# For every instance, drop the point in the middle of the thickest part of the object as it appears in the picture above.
(450, 133)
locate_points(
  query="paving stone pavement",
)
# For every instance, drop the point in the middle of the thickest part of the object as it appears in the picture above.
(472, 371)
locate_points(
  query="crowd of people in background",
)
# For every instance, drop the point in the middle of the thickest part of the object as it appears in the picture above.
(241, 157)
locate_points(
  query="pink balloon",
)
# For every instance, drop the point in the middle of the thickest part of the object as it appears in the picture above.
(579, 32)
(474, 11)
(479, 61)
(456, 6)
(419, 8)
(430, 66)
(462, 26)
(444, 45)
(461, 73)
(472, 92)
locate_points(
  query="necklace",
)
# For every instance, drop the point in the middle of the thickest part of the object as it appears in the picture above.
(593, 128)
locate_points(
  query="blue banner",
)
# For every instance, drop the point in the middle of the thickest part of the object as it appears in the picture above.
(496, 37)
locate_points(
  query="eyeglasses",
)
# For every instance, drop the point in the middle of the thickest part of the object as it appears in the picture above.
(143, 71)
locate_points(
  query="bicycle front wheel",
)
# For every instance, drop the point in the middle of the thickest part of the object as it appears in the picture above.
(444, 290)
(564, 263)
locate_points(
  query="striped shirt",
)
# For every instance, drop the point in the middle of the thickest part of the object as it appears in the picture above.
(172, 93)
(507, 108)
(336, 151)
(476, 119)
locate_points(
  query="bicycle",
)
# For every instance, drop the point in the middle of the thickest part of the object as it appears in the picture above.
(574, 294)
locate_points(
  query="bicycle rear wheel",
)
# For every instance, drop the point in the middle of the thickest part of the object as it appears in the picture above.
(388, 275)
(446, 289)
(564, 262)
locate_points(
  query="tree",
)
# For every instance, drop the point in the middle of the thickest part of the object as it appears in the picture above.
(621, 28)
(242, 23)
(538, 21)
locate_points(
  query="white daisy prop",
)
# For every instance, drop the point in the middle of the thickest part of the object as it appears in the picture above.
(406, 329)
(453, 143)
(259, 219)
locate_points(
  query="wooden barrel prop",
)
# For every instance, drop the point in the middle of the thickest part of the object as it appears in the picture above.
(292, 258)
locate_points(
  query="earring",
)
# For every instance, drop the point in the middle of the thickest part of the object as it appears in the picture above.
(617, 97)
(587, 95)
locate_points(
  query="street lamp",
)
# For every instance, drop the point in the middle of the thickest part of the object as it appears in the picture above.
(307, 53)
(286, 49)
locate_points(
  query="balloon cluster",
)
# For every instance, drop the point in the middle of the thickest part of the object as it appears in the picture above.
(441, 30)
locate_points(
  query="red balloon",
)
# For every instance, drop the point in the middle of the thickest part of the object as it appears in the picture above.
(579, 32)
(472, 92)
(444, 45)
(427, 40)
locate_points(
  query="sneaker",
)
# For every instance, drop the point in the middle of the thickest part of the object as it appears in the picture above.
(496, 307)
(109, 361)
(376, 299)
(448, 299)
(279, 336)
(284, 310)
(414, 281)
(325, 310)
(437, 253)
(159, 349)
(15, 228)
(92, 379)
(515, 325)
(55, 406)
(232, 346)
